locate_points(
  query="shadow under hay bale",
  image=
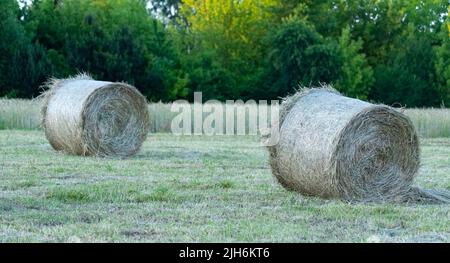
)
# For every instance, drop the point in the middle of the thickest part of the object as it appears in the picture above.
(83, 116)
(337, 147)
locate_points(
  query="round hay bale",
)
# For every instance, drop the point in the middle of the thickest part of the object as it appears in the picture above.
(333, 146)
(83, 116)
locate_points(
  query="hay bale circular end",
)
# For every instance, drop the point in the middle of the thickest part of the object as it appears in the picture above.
(332, 146)
(83, 116)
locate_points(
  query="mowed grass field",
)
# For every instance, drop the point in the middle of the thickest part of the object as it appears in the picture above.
(193, 189)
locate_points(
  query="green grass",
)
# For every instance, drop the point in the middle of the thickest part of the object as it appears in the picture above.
(19, 114)
(25, 115)
(193, 189)
(431, 123)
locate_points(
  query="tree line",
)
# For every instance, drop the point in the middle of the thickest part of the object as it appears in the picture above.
(392, 51)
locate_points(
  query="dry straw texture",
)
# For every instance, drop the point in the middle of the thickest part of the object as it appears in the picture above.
(332, 146)
(86, 117)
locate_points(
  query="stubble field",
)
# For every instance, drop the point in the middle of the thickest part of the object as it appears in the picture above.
(193, 189)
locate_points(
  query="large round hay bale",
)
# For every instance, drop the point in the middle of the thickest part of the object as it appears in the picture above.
(82, 116)
(332, 146)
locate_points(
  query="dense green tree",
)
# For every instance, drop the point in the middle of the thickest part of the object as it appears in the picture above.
(356, 76)
(22, 64)
(301, 56)
(408, 77)
(381, 27)
(223, 46)
(114, 40)
(442, 65)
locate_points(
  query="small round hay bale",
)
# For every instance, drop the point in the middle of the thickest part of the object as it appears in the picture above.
(332, 146)
(83, 116)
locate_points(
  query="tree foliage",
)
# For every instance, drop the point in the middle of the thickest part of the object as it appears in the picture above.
(112, 39)
(226, 40)
(22, 63)
(393, 51)
(356, 76)
(300, 56)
